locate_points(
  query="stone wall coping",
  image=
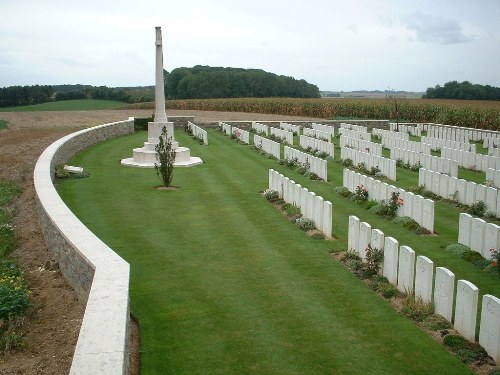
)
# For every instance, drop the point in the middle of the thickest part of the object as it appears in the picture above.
(102, 346)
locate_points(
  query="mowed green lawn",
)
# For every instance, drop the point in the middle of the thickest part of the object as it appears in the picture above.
(222, 283)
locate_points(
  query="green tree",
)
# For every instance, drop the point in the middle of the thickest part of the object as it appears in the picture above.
(165, 155)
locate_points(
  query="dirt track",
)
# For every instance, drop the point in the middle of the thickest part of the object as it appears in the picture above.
(51, 330)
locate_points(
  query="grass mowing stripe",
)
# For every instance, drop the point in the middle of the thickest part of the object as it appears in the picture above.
(223, 283)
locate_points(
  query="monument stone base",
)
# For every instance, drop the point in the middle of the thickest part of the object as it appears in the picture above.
(145, 157)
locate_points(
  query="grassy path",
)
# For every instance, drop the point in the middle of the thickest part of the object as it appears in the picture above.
(223, 284)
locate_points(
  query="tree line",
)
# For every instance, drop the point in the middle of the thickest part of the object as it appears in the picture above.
(464, 90)
(15, 96)
(216, 82)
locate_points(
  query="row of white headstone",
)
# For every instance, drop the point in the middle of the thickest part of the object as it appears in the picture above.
(383, 134)
(324, 128)
(494, 151)
(355, 134)
(491, 141)
(465, 192)
(462, 135)
(269, 146)
(242, 135)
(415, 275)
(317, 144)
(225, 128)
(471, 160)
(198, 132)
(361, 145)
(260, 128)
(317, 134)
(407, 145)
(415, 206)
(493, 177)
(286, 136)
(311, 206)
(316, 165)
(290, 128)
(438, 144)
(478, 234)
(358, 128)
(427, 161)
(387, 166)
(410, 128)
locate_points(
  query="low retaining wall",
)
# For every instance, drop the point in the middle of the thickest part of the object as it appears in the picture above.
(98, 275)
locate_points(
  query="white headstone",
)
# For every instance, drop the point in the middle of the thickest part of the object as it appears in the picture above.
(470, 194)
(424, 273)
(327, 219)
(443, 185)
(489, 332)
(452, 187)
(477, 234)
(353, 236)
(462, 190)
(365, 236)
(418, 205)
(464, 229)
(480, 193)
(377, 240)
(443, 293)
(466, 309)
(491, 240)
(428, 215)
(491, 199)
(406, 269)
(408, 197)
(390, 267)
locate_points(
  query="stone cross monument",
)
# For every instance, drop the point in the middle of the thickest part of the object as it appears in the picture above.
(145, 157)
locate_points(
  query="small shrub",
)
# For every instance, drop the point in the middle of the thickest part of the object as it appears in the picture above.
(301, 170)
(312, 176)
(305, 224)
(374, 170)
(165, 155)
(468, 352)
(271, 195)
(318, 236)
(347, 162)
(14, 294)
(436, 323)
(478, 209)
(388, 290)
(360, 194)
(416, 309)
(291, 210)
(406, 222)
(343, 191)
(495, 260)
(418, 190)
(349, 255)
(471, 256)
(378, 208)
(457, 249)
(455, 342)
(370, 203)
(374, 257)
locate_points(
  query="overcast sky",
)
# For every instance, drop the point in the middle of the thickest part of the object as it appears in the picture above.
(337, 45)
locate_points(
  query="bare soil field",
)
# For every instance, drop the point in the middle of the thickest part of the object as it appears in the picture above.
(51, 330)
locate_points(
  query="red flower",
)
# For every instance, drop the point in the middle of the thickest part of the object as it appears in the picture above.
(494, 264)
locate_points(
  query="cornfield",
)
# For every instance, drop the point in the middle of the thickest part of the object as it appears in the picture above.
(467, 113)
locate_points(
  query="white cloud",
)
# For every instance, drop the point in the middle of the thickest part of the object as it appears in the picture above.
(436, 29)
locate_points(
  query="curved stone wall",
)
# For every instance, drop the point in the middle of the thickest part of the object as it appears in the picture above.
(98, 275)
